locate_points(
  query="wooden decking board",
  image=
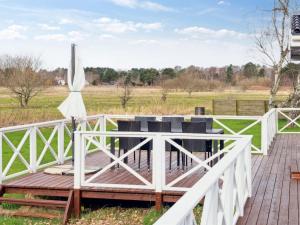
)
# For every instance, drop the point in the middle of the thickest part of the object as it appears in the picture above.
(258, 201)
(256, 180)
(275, 197)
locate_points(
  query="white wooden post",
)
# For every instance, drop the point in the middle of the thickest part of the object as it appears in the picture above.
(61, 142)
(277, 120)
(158, 164)
(77, 161)
(103, 130)
(33, 150)
(264, 135)
(1, 158)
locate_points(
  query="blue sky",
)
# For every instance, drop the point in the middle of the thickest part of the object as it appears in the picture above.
(133, 33)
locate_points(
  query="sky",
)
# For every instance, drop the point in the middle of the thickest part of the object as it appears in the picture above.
(133, 33)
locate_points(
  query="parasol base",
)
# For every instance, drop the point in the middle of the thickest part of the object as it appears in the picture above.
(69, 170)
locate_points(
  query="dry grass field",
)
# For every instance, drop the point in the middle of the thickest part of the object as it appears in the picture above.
(107, 100)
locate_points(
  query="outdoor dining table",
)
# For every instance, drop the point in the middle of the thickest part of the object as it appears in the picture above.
(177, 130)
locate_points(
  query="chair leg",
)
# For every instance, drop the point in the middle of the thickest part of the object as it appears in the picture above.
(178, 158)
(182, 158)
(119, 154)
(134, 156)
(140, 152)
(148, 158)
(191, 158)
(170, 166)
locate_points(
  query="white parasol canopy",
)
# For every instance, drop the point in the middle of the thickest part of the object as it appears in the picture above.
(73, 105)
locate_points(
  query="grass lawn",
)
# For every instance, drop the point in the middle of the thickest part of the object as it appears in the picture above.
(106, 100)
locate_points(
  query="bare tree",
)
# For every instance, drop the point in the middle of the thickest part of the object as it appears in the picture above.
(21, 77)
(273, 43)
(125, 96)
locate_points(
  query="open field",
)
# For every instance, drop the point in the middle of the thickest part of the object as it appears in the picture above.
(106, 100)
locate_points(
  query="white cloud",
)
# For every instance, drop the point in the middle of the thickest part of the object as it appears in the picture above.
(207, 33)
(51, 37)
(223, 2)
(142, 4)
(64, 21)
(145, 42)
(77, 36)
(106, 36)
(13, 32)
(44, 26)
(116, 26)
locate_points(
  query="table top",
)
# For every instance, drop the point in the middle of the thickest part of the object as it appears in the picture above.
(178, 130)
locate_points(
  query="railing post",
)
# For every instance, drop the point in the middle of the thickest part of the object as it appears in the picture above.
(33, 150)
(103, 130)
(77, 161)
(61, 143)
(158, 168)
(1, 158)
(264, 135)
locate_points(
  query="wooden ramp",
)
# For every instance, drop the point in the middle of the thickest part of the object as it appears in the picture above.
(276, 197)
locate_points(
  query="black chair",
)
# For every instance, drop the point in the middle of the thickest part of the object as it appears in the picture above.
(176, 127)
(144, 121)
(209, 125)
(126, 143)
(158, 126)
(194, 145)
(207, 120)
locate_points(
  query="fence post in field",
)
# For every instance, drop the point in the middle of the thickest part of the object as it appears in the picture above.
(264, 135)
(103, 130)
(33, 149)
(61, 142)
(1, 157)
(236, 107)
(213, 107)
(158, 169)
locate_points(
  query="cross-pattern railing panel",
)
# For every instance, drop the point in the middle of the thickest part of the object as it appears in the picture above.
(288, 120)
(225, 187)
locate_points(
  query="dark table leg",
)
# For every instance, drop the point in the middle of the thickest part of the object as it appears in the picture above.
(112, 149)
(215, 150)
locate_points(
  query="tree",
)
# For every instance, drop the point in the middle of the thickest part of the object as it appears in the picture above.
(148, 76)
(22, 78)
(229, 74)
(250, 70)
(125, 96)
(276, 36)
(261, 72)
(168, 73)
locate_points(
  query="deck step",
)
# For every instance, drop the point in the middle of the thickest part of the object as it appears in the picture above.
(35, 202)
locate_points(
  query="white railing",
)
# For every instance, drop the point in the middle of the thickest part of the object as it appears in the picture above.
(28, 148)
(288, 120)
(226, 187)
(157, 181)
(269, 130)
(235, 125)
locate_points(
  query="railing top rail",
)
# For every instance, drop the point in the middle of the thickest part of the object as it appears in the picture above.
(55, 122)
(165, 135)
(288, 109)
(191, 198)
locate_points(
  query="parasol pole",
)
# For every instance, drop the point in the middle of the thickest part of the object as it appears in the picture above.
(72, 80)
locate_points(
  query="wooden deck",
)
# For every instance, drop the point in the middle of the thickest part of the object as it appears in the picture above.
(45, 183)
(276, 197)
(275, 201)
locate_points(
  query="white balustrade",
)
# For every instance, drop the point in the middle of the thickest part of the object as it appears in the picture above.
(225, 189)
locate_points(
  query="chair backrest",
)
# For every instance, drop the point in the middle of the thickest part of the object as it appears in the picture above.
(176, 122)
(207, 120)
(128, 142)
(158, 126)
(192, 144)
(144, 121)
(129, 125)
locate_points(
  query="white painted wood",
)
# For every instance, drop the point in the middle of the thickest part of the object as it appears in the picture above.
(33, 150)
